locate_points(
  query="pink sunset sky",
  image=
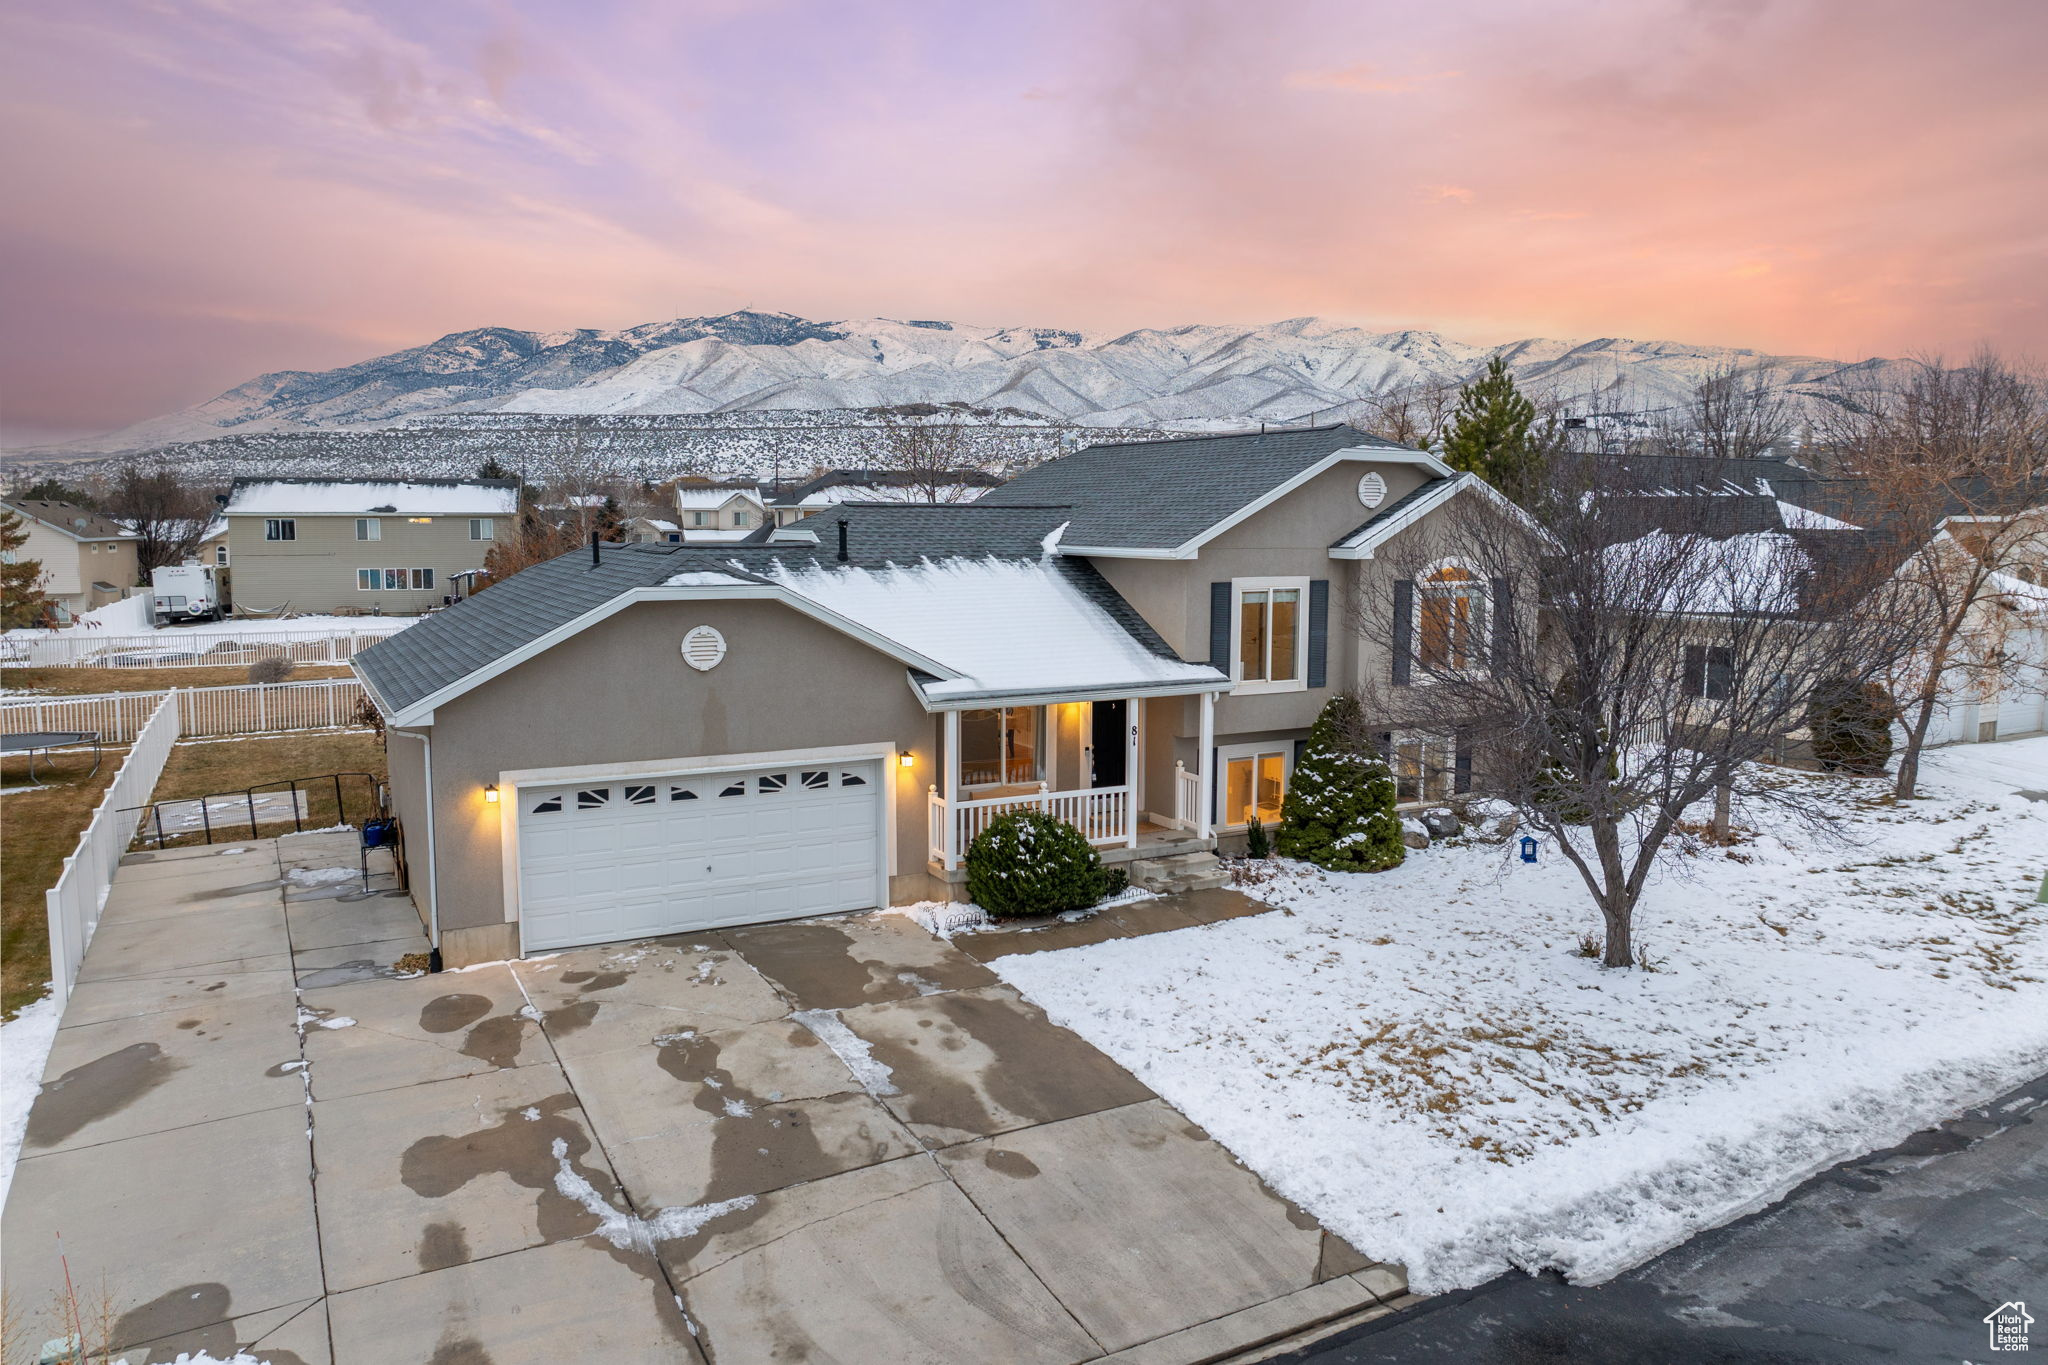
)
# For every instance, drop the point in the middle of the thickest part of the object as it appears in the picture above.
(198, 191)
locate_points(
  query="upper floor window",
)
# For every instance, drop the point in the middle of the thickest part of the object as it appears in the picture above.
(369, 528)
(482, 528)
(1450, 611)
(280, 528)
(697, 518)
(1709, 671)
(220, 553)
(739, 519)
(1270, 642)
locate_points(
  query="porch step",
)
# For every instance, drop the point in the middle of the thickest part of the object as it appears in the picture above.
(1178, 872)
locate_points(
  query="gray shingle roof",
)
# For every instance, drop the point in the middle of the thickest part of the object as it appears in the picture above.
(450, 645)
(1158, 495)
(1393, 509)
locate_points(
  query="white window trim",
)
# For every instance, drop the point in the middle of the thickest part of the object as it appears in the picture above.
(1482, 628)
(1444, 746)
(1299, 682)
(372, 525)
(1225, 753)
(482, 528)
(287, 529)
(1038, 753)
(381, 570)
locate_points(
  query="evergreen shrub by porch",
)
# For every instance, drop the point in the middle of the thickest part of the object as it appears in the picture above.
(1339, 810)
(1851, 725)
(1028, 863)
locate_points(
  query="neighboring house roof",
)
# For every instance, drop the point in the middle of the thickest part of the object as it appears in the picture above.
(372, 497)
(1163, 499)
(885, 485)
(70, 519)
(948, 557)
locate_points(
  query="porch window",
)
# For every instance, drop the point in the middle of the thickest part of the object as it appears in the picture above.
(1270, 640)
(1254, 783)
(1450, 610)
(999, 746)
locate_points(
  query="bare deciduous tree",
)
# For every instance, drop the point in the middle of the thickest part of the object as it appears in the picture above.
(1733, 414)
(1953, 466)
(1668, 661)
(930, 451)
(167, 514)
(1413, 414)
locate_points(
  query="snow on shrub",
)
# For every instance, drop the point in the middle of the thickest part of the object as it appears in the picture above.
(1028, 863)
(1339, 809)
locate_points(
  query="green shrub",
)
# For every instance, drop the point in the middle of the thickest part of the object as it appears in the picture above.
(1851, 725)
(1339, 811)
(1028, 863)
(1256, 844)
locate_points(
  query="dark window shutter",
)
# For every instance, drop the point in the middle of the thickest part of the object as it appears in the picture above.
(1385, 739)
(1216, 785)
(1219, 627)
(1404, 626)
(1319, 633)
(1461, 764)
(1503, 621)
(1695, 671)
(1300, 748)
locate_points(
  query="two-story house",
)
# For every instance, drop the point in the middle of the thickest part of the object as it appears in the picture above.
(655, 738)
(710, 513)
(88, 561)
(360, 545)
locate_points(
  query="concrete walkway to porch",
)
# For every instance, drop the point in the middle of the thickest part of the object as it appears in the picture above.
(836, 1140)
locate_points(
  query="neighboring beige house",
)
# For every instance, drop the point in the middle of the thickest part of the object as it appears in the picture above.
(212, 545)
(88, 561)
(718, 512)
(651, 531)
(360, 545)
(1135, 638)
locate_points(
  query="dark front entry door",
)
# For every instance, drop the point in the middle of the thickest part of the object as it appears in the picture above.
(1107, 743)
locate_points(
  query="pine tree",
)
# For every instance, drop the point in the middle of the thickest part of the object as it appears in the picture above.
(1339, 811)
(22, 599)
(1491, 433)
(491, 469)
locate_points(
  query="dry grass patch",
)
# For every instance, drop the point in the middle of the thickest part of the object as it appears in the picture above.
(38, 831)
(90, 681)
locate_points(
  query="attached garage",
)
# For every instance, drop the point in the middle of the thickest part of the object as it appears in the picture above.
(602, 859)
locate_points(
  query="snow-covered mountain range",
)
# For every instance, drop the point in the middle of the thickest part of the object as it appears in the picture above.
(752, 361)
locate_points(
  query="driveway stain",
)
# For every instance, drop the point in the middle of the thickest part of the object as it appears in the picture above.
(96, 1090)
(443, 1245)
(497, 1040)
(563, 1020)
(520, 1149)
(460, 1351)
(447, 1013)
(188, 1308)
(1016, 1165)
(595, 981)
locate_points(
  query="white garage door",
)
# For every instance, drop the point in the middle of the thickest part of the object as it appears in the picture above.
(602, 860)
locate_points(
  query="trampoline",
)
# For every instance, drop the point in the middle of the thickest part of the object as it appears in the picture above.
(46, 742)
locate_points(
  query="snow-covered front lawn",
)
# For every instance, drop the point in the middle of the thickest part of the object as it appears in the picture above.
(1421, 1060)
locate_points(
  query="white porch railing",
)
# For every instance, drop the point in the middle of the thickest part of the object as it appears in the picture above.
(1104, 815)
(74, 903)
(239, 709)
(1187, 796)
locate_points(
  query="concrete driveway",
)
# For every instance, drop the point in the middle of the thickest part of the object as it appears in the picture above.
(827, 1141)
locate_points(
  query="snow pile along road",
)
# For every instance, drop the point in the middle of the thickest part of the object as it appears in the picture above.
(1422, 1061)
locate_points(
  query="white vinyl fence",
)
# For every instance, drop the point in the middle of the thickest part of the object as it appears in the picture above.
(241, 709)
(75, 902)
(198, 648)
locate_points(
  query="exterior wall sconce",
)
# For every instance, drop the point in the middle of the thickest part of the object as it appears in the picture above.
(491, 793)
(906, 760)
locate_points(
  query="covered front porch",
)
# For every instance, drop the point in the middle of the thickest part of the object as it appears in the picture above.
(1079, 759)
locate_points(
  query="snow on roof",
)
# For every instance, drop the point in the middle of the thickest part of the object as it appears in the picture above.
(355, 498)
(1797, 518)
(711, 498)
(1005, 626)
(857, 492)
(2030, 599)
(1687, 574)
(700, 535)
(702, 578)
(658, 524)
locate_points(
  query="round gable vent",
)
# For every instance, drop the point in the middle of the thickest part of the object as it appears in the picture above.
(1372, 490)
(703, 648)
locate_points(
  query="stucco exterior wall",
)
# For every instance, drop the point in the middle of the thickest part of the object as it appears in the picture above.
(317, 571)
(1289, 539)
(405, 761)
(620, 692)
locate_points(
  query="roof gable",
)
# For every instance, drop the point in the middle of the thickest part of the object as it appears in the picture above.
(1165, 499)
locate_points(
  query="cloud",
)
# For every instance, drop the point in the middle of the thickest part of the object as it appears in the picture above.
(1441, 194)
(1363, 78)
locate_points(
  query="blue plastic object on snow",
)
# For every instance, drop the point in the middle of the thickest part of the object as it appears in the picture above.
(1528, 849)
(376, 833)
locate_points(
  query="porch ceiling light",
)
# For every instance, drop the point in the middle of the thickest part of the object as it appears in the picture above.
(491, 793)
